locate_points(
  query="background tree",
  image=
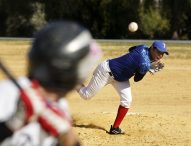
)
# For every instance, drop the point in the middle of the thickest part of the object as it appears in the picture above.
(121, 13)
(106, 19)
(178, 12)
(17, 14)
(3, 17)
(38, 18)
(152, 24)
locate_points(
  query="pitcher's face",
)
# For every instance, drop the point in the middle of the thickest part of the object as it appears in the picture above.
(156, 54)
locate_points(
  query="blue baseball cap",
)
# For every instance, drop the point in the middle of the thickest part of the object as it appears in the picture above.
(160, 46)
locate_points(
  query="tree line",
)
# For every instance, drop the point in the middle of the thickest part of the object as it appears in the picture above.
(106, 19)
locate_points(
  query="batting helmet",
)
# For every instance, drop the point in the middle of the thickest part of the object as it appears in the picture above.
(62, 54)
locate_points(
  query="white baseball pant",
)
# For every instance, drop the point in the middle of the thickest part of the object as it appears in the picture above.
(101, 77)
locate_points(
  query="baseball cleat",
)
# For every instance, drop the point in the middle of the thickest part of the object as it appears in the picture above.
(116, 130)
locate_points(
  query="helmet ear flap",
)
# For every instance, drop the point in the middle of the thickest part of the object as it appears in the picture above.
(39, 72)
(50, 80)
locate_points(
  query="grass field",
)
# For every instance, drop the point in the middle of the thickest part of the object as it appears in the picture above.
(160, 114)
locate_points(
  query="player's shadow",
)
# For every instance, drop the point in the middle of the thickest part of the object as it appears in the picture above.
(91, 126)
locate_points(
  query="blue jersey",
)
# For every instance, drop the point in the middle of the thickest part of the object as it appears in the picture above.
(137, 60)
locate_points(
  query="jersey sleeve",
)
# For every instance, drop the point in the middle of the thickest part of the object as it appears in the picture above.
(144, 68)
(144, 62)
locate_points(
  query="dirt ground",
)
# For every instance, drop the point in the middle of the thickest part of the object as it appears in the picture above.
(160, 114)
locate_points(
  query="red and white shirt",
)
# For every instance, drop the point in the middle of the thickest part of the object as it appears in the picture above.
(12, 113)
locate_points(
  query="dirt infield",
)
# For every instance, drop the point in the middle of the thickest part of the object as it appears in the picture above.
(160, 114)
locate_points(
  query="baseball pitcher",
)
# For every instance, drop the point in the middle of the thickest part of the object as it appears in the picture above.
(117, 72)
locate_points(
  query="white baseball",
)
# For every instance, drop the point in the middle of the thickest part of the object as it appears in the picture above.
(133, 26)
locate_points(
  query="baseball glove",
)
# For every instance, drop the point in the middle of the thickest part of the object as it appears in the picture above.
(156, 66)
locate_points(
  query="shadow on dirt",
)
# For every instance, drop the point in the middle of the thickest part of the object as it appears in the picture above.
(91, 126)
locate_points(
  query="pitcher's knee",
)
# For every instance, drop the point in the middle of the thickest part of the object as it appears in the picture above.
(126, 104)
(85, 94)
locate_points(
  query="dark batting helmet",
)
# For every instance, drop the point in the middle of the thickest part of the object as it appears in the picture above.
(62, 54)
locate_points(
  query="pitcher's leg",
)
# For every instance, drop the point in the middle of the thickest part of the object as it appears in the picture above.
(124, 90)
(99, 79)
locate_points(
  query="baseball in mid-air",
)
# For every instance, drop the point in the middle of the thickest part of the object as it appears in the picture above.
(133, 26)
